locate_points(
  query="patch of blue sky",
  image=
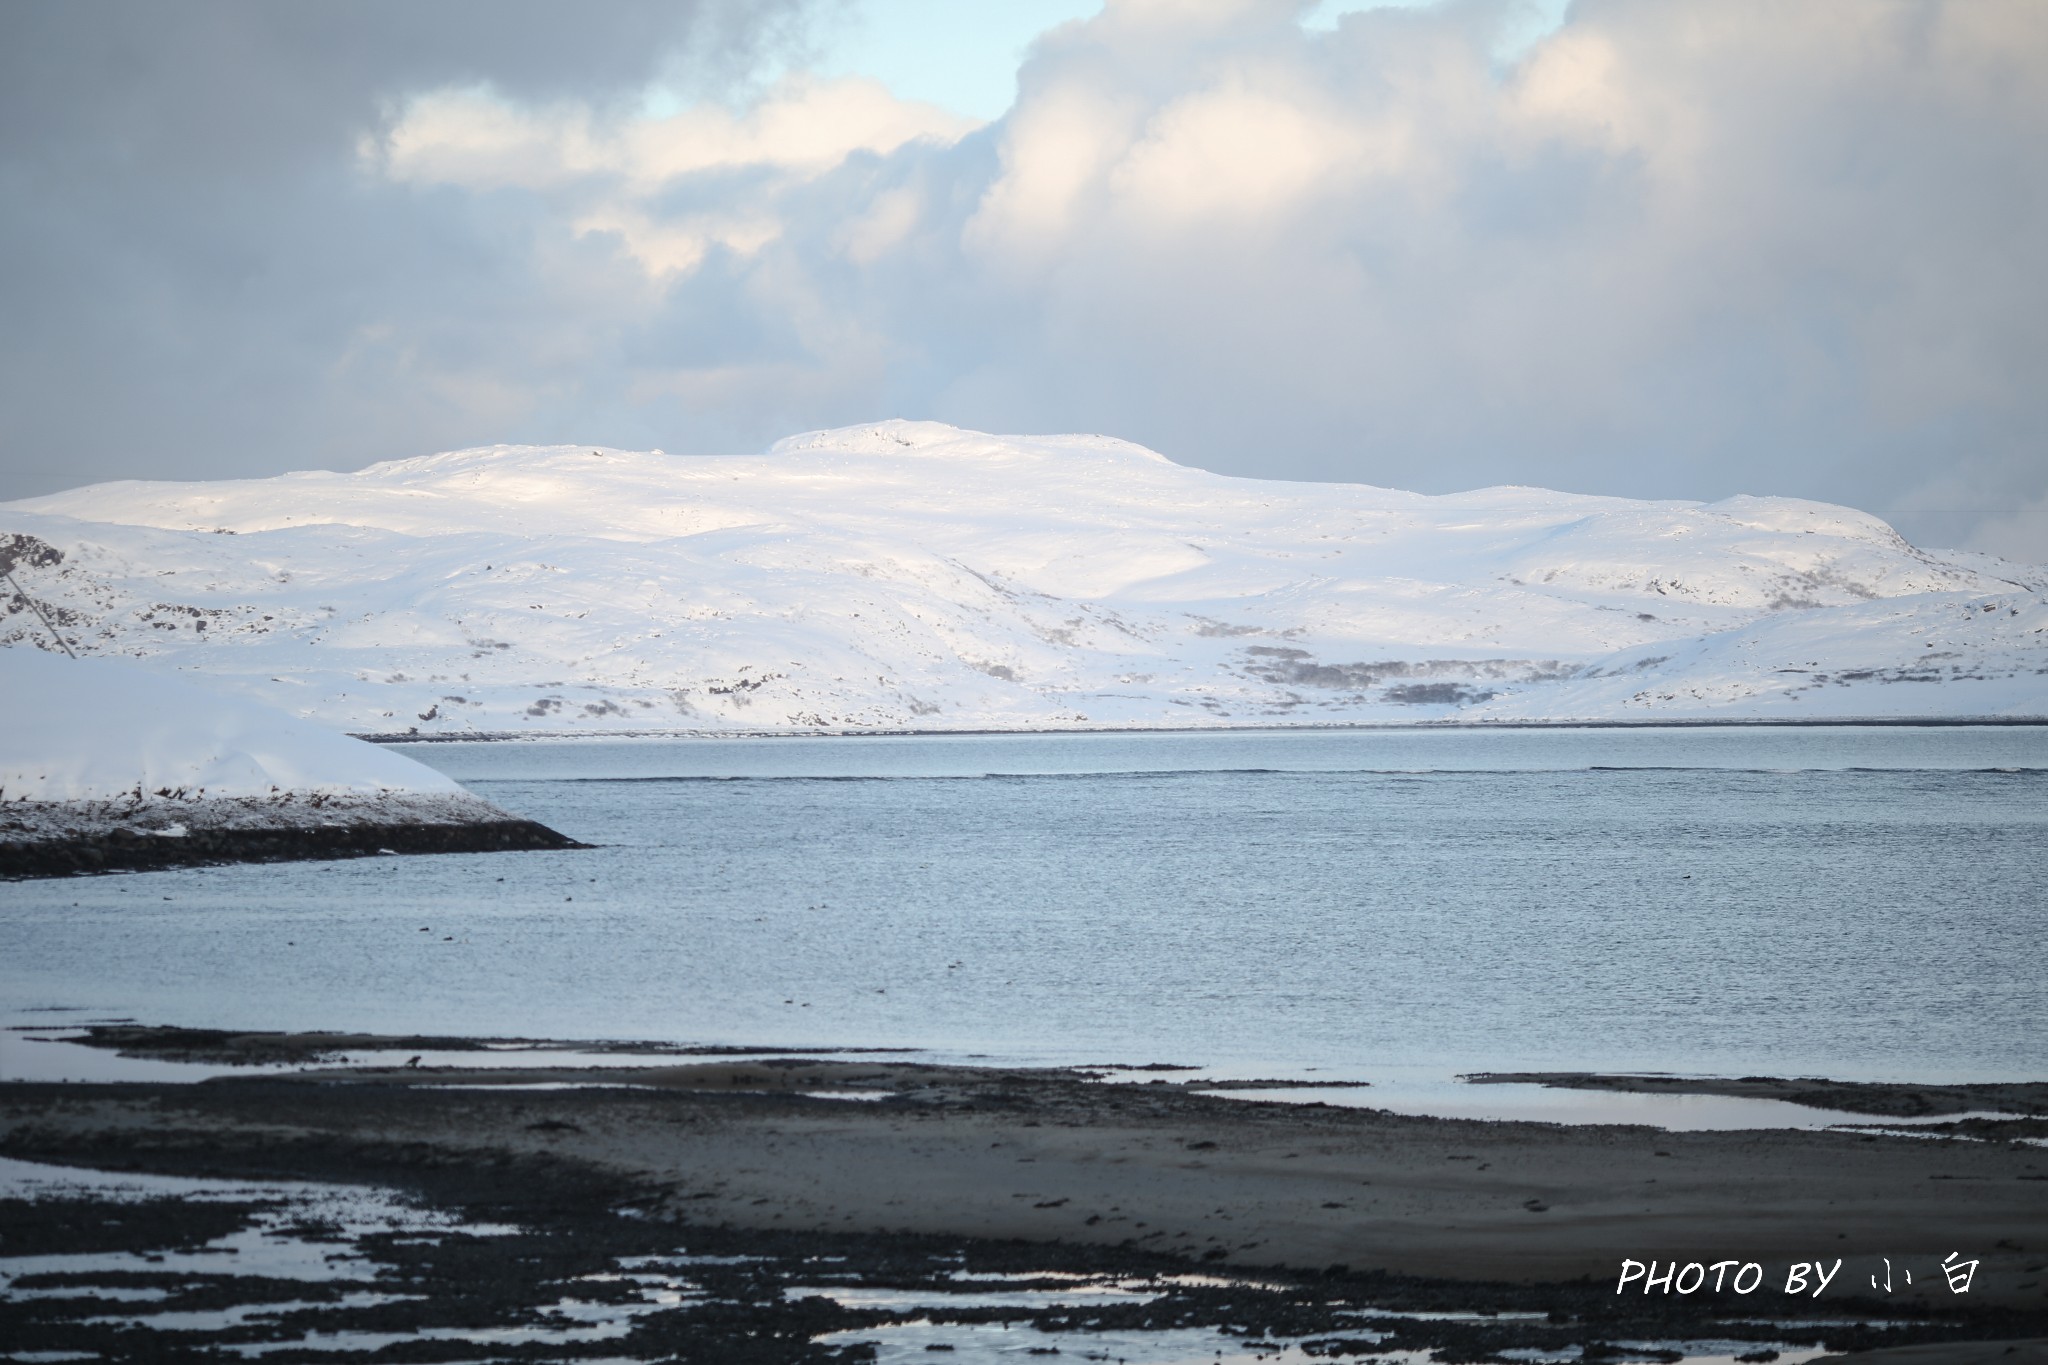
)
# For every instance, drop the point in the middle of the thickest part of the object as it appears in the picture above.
(963, 55)
(1523, 23)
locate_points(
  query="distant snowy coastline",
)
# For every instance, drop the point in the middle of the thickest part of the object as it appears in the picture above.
(107, 766)
(909, 576)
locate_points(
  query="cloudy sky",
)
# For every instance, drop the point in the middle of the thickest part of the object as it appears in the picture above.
(1672, 248)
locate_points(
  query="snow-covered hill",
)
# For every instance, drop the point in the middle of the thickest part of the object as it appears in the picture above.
(103, 764)
(910, 575)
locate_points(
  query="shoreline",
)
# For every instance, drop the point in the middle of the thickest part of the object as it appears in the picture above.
(1690, 723)
(875, 1155)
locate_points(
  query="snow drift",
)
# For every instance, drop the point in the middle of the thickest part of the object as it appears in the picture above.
(909, 575)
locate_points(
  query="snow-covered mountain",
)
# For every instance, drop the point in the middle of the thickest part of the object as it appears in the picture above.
(909, 575)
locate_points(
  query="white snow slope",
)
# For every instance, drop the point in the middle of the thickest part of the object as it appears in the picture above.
(92, 744)
(95, 729)
(909, 575)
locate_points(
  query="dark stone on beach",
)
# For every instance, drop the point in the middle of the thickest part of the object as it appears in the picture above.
(128, 851)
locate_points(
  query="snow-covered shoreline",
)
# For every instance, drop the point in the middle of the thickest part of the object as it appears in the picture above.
(908, 576)
(58, 838)
(1250, 727)
(105, 766)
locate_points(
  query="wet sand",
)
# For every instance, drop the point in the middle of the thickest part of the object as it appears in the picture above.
(1044, 1156)
(874, 1147)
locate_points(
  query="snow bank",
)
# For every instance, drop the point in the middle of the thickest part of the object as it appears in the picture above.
(911, 575)
(105, 764)
(99, 730)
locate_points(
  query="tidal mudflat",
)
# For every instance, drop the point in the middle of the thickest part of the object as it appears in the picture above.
(771, 1207)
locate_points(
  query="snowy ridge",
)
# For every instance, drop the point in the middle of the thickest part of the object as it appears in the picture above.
(910, 575)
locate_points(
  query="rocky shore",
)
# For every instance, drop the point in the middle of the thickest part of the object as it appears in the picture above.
(125, 848)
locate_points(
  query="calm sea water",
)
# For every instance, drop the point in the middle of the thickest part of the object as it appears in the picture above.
(1852, 902)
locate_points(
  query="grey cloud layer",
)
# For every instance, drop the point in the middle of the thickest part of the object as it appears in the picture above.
(1679, 249)
(199, 279)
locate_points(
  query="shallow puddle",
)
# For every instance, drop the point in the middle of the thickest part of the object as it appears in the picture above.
(1448, 1097)
(902, 1300)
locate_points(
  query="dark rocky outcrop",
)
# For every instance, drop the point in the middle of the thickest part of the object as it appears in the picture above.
(123, 850)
